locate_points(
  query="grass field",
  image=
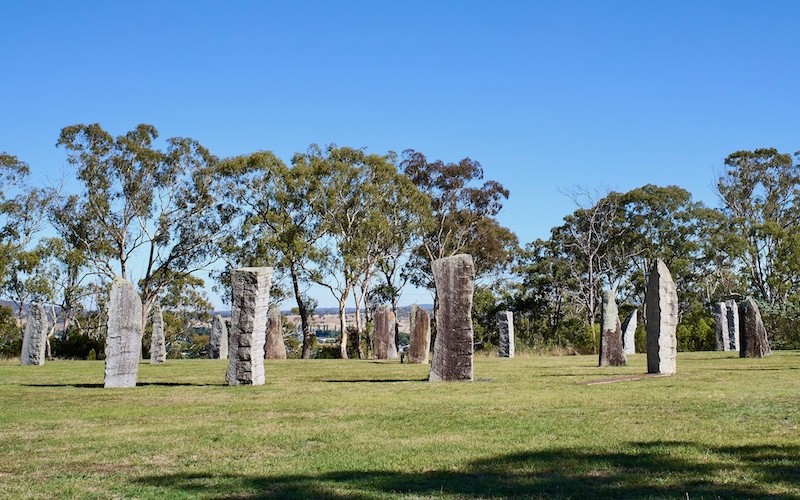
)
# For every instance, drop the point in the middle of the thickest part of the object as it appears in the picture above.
(723, 427)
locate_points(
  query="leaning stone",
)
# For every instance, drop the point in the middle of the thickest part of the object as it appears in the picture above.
(753, 335)
(218, 341)
(734, 330)
(385, 345)
(505, 324)
(661, 303)
(274, 347)
(611, 351)
(420, 335)
(249, 305)
(123, 336)
(721, 326)
(629, 333)
(453, 348)
(158, 345)
(34, 343)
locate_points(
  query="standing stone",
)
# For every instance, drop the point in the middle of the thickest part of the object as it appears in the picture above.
(34, 342)
(734, 331)
(505, 323)
(629, 333)
(420, 335)
(453, 348)
(123, 336)
(274, 347)
(661, 303)
(611, 351)
(158, 345)
(385, 345)
(753, 335)
(218, 342)
(721, 326)
(249, 305)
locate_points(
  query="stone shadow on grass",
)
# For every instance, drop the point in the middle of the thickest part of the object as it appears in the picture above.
(653, 470)
(377, 381)
(138, 384)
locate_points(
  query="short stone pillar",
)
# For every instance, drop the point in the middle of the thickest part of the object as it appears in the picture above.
(629, 333)
(274, 347)
(753, 335)
(218, 341)
(158, 344)
(505, 325)
(123, 335)
(611, 351)
(734, 331)
(385, 345)
(721, 327)
(661, 303)
(420, 335)
(249, 306)
(34, 343)
(453, 347)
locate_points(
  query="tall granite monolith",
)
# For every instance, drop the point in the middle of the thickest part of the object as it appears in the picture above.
(158, 344)
(34, 343)
(249, 307)
(721, 326)
(385, 345)
(505, 325)
(734, 330)
(454, 278)
(661, 303)
(420, 335)
(274, 347)
(629, 333)
(218, 341)
(752, 334)
(611, 351)
(123, 335)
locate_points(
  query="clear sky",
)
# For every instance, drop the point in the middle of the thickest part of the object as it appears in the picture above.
(546, 95)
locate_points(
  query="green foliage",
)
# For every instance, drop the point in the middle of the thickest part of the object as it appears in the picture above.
(78, 346)
(10, 334)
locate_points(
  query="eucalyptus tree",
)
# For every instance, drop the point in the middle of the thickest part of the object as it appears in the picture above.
(154, 212)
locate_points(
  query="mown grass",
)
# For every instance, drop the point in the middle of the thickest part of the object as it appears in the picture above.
(723, 427)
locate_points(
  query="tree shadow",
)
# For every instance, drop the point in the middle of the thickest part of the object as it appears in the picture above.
(652, 470)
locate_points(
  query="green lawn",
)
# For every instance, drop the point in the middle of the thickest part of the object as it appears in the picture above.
(723, 427)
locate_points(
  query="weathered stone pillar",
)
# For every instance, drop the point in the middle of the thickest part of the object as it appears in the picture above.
(721, 326)
(420, 335)
(385, 345)
(611, 351)
(158, 344)
(274, 348)
(34, 343)
(734, 330)
(453, 349)
(249, 305)
(123, 335)
(753, 335)
(629, 333)
(661, 299)
(218, 341)
(505, 324)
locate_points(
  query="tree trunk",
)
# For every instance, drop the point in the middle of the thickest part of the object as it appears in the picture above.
(343, 327)
(302, 308)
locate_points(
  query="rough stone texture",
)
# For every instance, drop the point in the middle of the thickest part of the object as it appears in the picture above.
(385, 345)
(123, 336)
(629, 333)
(420, 335)
(753, 335)
(249, 307)
(274, 347)
(453, 348)
(158, 345)
(661, 303)
(505, 323)
(721, 326)
(34, 343)
(611, 351)
(218, 342)
(734, 330)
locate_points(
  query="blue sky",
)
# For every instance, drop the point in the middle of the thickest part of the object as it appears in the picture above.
(546, 95)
